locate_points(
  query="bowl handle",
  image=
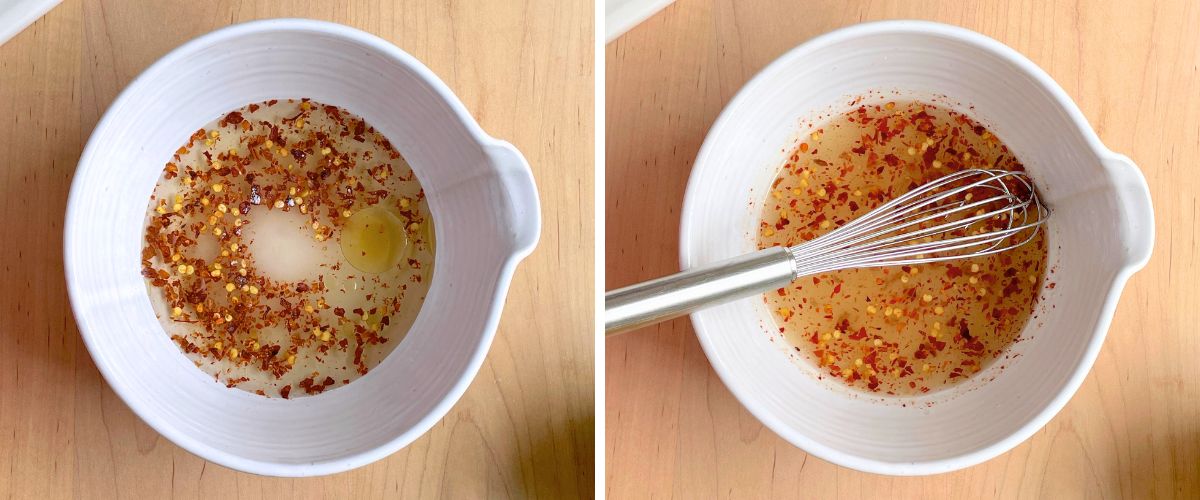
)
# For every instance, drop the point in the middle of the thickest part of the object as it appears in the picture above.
(1136, 217)
(520, 193)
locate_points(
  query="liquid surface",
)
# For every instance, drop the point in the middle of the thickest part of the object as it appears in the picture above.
(895, 330)
(288, 248)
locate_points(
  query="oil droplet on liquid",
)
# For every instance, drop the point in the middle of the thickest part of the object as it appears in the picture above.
(373, 240)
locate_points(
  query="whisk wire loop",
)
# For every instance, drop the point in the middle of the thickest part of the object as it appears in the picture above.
(968, 213)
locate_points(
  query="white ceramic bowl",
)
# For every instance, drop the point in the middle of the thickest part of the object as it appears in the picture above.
(1101, 232)
(480, 190)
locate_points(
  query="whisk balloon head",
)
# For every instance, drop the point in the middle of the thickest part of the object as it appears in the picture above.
(968, 213)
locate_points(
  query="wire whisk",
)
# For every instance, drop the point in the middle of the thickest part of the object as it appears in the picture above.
(965, 214)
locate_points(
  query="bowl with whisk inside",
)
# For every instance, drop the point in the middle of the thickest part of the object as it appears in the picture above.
(1100, 233)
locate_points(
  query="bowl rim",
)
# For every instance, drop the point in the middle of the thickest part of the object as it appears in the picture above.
(487, 143)
(1041, 79)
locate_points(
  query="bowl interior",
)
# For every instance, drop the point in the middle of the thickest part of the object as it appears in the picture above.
(960, 70)
(416, 384)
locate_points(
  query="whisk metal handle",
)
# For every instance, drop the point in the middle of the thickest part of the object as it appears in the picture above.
(678, 294)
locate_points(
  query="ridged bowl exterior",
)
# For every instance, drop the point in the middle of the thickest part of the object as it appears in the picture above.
(480, 191)
(1100, 232)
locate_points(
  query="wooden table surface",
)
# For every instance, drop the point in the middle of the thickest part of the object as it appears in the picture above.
(1132, 430)
(525, 427)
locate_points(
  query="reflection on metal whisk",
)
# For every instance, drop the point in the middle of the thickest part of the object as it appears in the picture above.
(965, 214)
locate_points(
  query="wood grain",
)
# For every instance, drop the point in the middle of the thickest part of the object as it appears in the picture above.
(524, 429)
(1132, 430)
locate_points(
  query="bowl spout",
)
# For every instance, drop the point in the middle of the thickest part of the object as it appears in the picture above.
(521, 203)
(1136, 217)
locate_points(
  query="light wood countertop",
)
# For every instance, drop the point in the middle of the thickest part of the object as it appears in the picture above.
(525, 426)
(1132, 431)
